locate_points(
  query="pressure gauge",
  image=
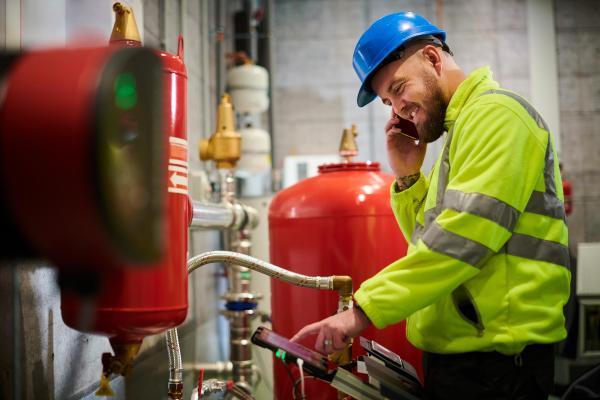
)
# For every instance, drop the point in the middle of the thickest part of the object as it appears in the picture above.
(128, 149)
(82, 155)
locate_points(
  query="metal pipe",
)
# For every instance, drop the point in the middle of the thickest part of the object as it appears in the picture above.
(175, 365)
(205, 73)
(223, 216)
(240, 320)
(217, 368)
(227, 185)
(270, 66)
(211, 216)
(229, 257)
(214, 386)
(220, 20)
(343, 284)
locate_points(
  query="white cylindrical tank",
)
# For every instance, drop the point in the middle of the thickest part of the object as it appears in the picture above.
(248, 85)
(254, 168)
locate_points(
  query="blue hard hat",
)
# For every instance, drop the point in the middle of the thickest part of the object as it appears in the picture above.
(380, 40)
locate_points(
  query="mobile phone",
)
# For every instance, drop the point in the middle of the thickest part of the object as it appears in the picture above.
(289, 351)
(407, 128)
(391, 359)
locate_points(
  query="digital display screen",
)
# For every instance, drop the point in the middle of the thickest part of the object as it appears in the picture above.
(267, 338)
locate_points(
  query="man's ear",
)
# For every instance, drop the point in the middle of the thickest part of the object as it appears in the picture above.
(433, 57)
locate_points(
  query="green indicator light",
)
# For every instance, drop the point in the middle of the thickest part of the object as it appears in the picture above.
(125, 91)
(280, 354)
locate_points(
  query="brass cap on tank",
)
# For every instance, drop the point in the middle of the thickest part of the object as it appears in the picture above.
(125, 27)
(225, 145)
(348, 146)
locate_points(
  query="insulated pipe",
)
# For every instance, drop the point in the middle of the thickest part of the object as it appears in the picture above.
(343, 284)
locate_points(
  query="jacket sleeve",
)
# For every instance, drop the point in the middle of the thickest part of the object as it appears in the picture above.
(406, 204)
(496, 159)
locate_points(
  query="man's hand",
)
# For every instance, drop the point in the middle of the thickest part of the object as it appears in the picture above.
(404, 154)
(333, 333)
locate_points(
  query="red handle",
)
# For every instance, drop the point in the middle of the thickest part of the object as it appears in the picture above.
(180, 46)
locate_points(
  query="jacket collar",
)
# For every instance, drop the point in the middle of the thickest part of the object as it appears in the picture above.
(476, 83)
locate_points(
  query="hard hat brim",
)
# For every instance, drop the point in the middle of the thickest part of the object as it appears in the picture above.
(365, 96)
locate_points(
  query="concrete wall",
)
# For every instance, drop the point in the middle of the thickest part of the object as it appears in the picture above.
(578, 32)
(315, 86)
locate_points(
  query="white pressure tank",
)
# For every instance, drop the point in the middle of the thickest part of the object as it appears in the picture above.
(248, 85)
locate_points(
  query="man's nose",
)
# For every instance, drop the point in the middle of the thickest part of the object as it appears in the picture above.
(398, 107)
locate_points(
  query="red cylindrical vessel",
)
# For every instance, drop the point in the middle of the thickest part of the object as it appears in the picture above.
(136, 303)
(337, 223)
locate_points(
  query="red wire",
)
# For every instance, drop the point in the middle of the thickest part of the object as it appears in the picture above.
(200, 380)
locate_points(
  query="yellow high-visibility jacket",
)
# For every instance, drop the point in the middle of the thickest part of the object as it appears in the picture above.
(487, 263)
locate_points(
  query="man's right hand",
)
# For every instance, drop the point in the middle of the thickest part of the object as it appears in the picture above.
(404, 154)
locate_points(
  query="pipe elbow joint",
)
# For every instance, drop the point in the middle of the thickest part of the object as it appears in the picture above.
(343, 284)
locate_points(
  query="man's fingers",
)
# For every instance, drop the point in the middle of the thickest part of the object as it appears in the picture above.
(390, 124)
(311, 329)
(320, 342)
(393, 131)
(338, 342)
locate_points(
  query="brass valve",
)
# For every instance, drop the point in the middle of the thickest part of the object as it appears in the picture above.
(125, 28)
(175, 391)
(120, 363)
(225, 145)
(348, 146)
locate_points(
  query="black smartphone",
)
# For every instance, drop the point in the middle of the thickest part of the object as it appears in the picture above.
(407, 128)
(316, 363)
(391, 359)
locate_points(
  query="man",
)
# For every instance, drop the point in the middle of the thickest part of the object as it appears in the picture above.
(486, 274)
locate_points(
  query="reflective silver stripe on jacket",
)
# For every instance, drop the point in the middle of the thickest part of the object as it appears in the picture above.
(456, 246)
(471, 252)
(530, 247)
(481, 205)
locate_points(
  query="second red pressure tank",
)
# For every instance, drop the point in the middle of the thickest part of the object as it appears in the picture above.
(337, 223)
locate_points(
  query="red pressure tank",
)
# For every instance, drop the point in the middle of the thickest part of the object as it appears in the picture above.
(136, 303)
(337, 223)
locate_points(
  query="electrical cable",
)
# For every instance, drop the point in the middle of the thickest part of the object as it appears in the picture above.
(289, 372)
(300, 363)
(305, 377)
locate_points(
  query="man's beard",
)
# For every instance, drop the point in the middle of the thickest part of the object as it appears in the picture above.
(433, 127)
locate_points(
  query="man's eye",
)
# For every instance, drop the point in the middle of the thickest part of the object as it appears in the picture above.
(398, 90)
